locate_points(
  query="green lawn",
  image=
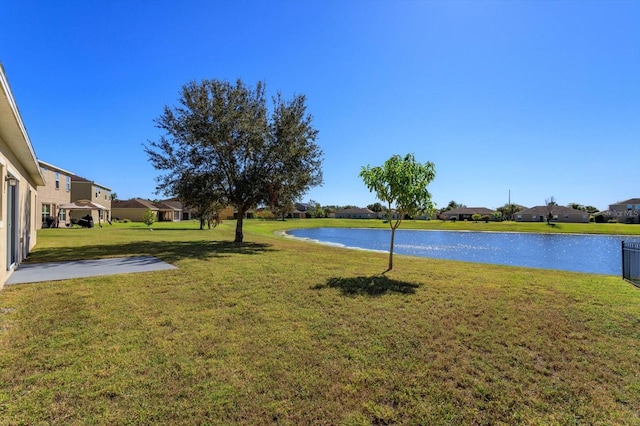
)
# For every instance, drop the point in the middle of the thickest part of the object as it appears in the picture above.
(276, 330)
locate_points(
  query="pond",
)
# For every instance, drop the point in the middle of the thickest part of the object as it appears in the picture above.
(599, 254)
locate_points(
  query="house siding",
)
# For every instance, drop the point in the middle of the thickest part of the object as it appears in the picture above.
(626, 211)
(51, 196)
(131, 214)
(560, 214)
(355, 214)
(18, 203)
(88, 190)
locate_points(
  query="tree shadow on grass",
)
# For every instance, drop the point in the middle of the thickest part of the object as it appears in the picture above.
(169, 251)
(376, 285)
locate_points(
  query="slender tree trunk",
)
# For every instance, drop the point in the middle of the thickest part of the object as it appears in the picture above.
(201, 223)
(393, 236)
(239, 236)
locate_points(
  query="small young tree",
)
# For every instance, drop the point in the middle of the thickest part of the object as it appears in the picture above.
(401, 183)
(476, 217)
(149, 217)
(550, 204)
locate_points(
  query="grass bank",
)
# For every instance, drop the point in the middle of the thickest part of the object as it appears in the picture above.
(280, 331)
(269, 226)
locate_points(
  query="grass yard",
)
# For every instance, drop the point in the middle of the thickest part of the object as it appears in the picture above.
(278, 331)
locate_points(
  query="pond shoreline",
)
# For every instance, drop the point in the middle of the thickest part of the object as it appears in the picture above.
(586, 253)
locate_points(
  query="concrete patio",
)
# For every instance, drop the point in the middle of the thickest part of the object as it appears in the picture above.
(38, 272)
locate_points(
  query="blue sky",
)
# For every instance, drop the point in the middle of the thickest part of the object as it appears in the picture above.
(540, 98)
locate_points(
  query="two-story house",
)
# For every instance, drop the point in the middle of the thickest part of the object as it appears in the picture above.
(627, 211)
(55, 192)
(85, 189)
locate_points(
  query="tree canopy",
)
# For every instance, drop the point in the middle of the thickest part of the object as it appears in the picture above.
(221, 144)
(401, 183)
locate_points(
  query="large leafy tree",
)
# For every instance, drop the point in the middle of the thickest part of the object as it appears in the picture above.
(223, 134)
(507, 211)
(401, 183)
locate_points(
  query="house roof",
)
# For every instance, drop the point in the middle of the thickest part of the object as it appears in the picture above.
(14, 133)
(80, 179)
(139, 203)
(165, 206)
(469, 210)
(355, 211)
(134, 203)
(542, 210)
(629, 201)
(173, 202)
(50, 166)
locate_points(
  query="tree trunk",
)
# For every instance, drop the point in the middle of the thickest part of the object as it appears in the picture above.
(239, 236)
(393, 236)
(201, 223)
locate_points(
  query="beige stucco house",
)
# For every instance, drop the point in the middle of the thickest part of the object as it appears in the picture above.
(627, 211)
(170, 210)
(185, 212)
(85, 189)
(135, 208)
(20, 176)
(55, 192)
(558, 214)
(466, 213)
(355, 213)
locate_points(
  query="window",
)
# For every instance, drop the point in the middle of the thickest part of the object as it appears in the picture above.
(68, 183)
(555, 217)
(534, 217)
(519, 217)
(629, 206)
(57, 180)
(46, 212)
(62, 215)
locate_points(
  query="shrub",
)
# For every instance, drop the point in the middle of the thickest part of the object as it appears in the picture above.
(612, 221)
(599, 218)
(148, 217)
(453, 218)
(265, 214)
(486, 218)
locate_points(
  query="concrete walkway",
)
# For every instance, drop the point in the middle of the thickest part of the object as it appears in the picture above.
(37, 272)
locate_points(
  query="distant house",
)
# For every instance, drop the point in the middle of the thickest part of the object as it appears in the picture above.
(466, 213)
(85, 189)
(355, 214)
(171, 210)
(20, 176)
(186, 213)
(558, 214)
(55, 192)
(135, 209)
(627, 211)
(300, 211)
